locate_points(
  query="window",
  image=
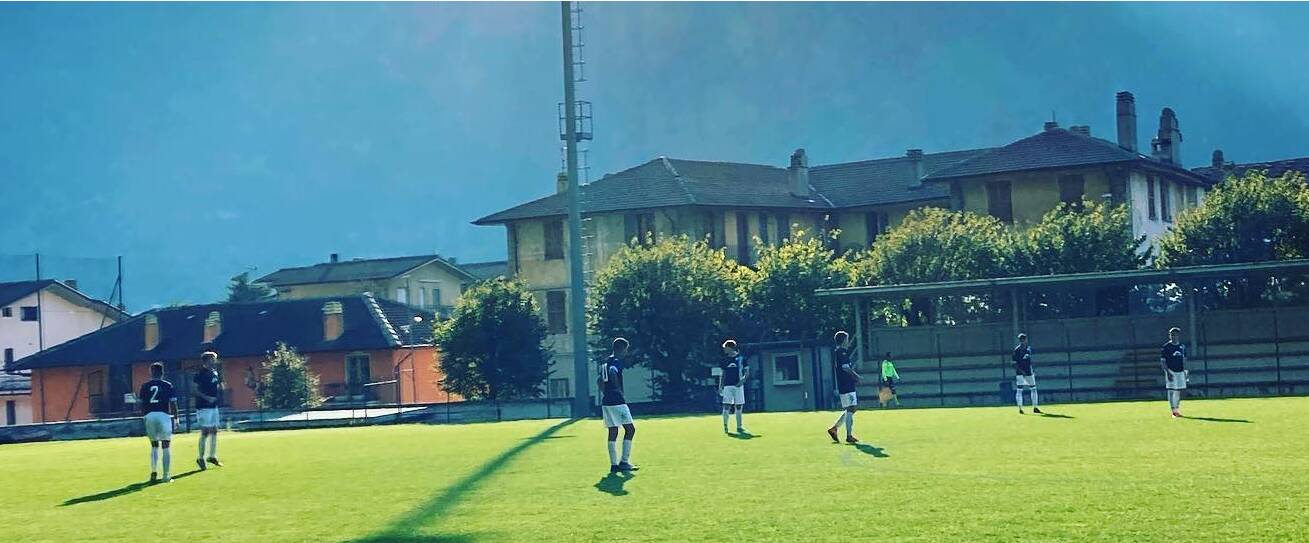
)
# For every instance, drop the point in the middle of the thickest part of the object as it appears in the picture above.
(783, 226)
(11, 413)
(422, 298)
(31, 313)
(876, 224)
(554, 240)
(1150, 197)
(402, 295)
(358, 374)
(435, 298)
(559, 388)
(1165, 203)
(742, 238)
(763, 228)
(639, 226)
(786, 368)
(711, 228)
(95, 391)
(999, 201)
(9, 355)
(556, 312)
(7, 312)
(1071, 190)
(831, 223)
(1192, 199)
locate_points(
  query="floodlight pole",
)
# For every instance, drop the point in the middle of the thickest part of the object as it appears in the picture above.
(577, 290)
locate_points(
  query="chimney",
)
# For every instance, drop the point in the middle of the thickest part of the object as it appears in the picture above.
(1167, 146)
(333, 321)
(561, 183)
(1127, 121)
(916, 162)
(1080, 129)
(335, 258)
(213, 326)
(72, 283)
(1217, 160)
(151, 331)
(797, 176)
(1050, 125)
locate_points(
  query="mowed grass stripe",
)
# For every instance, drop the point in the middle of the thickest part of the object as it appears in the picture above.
(1106, 472)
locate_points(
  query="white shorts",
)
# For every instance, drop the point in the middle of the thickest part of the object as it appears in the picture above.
(1025, 381)
(1175, 380)
(849, 399)
(206, 417)
(616, 415)
(734, 395)
(158, 426)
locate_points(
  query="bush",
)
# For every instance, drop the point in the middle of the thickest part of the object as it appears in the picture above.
(286, 382)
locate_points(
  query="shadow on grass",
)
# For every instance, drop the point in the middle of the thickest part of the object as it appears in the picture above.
(612, 484)
(745, 435)
(1212, 419)
(1056, 416)
(122, 491)
(872, 450)
(403, 529)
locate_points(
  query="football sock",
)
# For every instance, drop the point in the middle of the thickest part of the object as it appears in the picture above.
(724, 417)
(1018, 396)
(168, 461)
(154, 459)
(200, 452)
(839, 420)
(213, 438)
(738, 415)
(627, 450)
(849, 423)
(1033, 398)
(613, 453)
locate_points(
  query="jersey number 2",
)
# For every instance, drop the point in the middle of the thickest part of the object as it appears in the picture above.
(154, 394)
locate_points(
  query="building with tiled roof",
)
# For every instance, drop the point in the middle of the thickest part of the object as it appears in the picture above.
(1219, 169)
(428, 281)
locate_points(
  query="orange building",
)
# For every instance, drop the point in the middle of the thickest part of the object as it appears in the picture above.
(363, 350)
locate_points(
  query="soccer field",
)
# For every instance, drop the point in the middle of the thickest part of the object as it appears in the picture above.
(1101, 472)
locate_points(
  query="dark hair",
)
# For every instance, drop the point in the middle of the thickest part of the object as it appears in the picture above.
(888, 354)
(620, 344)
(157, 369)
(840, 335)
(1022, 337)
(730, 344)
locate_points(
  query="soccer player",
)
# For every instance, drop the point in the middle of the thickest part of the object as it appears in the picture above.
(614, 408)
(158, 406)
(1023, 376)
(1173, 359)
(889, 375)
(846, 381)
(208, 392)
(731, 383)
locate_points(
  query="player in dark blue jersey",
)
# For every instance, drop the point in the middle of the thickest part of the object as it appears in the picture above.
(847, 379)
(207, 384)
(731, 383)
(613, 407)
(1173, 359)
(1024, 377)
(158, 406)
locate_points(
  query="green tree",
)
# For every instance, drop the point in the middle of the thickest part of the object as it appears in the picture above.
(779, 293)
(240, 289)
(286, 382)
(674, 300)
(493, 345)
(1248, 219)
(1092, 237)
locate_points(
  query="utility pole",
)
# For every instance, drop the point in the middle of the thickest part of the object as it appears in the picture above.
(577, 290)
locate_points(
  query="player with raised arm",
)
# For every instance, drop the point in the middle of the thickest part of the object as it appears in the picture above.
(731, 383)
(1173, 359)
(1024, 378)
(614, 408)
(158, 406)
(846, 381)
(208, 393)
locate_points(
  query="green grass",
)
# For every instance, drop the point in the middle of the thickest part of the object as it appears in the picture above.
(1106, 472)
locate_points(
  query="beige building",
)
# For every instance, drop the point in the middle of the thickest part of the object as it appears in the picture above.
(733, 204)
(425, 281)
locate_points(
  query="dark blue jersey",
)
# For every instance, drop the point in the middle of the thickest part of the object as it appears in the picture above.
(612, 389)
(1174, 356)
(732, 366)
(156, 396)
(1023, 359)
(206, 382)
(845, 381)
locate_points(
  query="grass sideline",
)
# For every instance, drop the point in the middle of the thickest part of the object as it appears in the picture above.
(1098, 472)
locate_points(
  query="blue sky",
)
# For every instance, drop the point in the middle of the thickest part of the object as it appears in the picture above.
(200, 140)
